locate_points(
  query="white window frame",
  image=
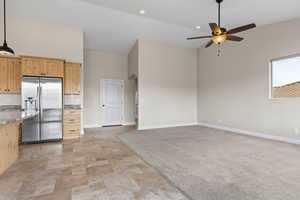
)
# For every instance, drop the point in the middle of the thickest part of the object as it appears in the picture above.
(271, 76)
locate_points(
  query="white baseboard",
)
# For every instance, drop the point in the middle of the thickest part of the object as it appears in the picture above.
(128, 123)
(93, 126)
(166, 126)
(251, 133)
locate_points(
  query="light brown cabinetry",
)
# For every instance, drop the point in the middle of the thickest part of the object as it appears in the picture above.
(72, 123)
(10, 75)
(72, 78)
(9, 145)
(37, 66)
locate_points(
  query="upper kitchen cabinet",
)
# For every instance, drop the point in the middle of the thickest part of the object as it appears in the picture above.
(72, 78)
(10, 75)
(37, 66)
(54, 68)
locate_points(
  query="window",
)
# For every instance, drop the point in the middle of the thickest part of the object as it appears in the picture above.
(285, 77)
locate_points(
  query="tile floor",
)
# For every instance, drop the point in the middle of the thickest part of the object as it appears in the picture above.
(96, 167)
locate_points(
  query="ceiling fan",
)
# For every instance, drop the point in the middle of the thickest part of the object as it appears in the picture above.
(220, 34)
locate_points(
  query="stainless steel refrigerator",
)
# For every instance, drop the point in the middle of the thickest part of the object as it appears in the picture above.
(43, 97)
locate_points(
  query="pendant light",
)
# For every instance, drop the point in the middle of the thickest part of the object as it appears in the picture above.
(4, 49)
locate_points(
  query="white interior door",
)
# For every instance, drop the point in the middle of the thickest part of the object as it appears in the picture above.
(113, 96)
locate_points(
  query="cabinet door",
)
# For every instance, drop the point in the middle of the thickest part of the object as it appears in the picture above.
(5, 148)
(71, 124)
(14, 141)
(14, 76)
(72, 78)
(3, 75)
(32, 67)
(76, 79)
(68, 79)
(54, 68)
(9, 147)
(2, 149)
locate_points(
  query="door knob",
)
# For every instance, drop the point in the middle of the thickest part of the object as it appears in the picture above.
(103, 105)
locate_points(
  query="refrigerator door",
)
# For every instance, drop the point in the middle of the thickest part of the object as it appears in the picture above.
(30, 127)
(51, 109)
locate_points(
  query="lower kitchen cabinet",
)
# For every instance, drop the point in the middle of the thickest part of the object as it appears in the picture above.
(9, 145)
(72, 123)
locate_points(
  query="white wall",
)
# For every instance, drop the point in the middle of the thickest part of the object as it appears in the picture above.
(167, 85)
(101, 65)
(234, 88)
(133, 61)
(40, 38)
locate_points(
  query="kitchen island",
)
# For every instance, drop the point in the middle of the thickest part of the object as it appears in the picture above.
(10, 121)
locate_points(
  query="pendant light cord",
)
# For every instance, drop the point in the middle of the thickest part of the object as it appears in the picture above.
(219, 14)
(4, 7)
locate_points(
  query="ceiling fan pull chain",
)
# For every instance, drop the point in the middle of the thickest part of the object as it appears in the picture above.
(219, 49)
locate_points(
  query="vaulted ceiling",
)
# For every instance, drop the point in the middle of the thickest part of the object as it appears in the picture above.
(114, 25)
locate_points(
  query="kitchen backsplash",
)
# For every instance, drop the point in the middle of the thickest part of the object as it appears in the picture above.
(15, 99)
(72, 99)
(10, 99)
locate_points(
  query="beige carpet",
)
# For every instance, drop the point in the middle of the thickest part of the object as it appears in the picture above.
(209, 164)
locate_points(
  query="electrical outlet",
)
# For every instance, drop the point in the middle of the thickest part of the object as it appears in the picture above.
(296, 131)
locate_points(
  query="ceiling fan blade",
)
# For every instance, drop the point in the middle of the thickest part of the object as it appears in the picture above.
(209, 44)
(213, 26)
(234, 38)
(241, 28)
(200, 37)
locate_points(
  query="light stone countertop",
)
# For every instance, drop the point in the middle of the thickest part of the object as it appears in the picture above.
(9, 116)
(12, 115)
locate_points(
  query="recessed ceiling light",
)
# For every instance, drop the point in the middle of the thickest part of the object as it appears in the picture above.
(142, 12)
(198, 27)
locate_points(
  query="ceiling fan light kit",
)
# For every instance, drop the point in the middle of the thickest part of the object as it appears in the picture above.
(5, 49)
(218, 39)
(219, 34)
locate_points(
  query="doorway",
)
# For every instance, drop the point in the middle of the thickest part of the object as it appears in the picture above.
(112, 93)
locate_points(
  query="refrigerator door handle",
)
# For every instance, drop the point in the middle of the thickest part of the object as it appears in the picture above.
(37, 97)
(41, 107)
